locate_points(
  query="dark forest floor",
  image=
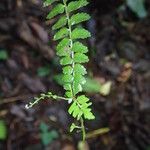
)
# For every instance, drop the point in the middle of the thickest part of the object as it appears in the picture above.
(119, 53)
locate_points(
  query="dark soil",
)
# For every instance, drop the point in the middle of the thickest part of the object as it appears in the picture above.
(119, 52)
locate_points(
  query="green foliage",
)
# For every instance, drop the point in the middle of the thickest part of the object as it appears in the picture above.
(79, 47)
(60, 23)
(78, 18)
(66, 60)
(80, 107)
(47, 136)
(58, 9)
(43, 71)
(90, 86)
(80, 58)
(72, 56)
(3, 55)
(72, 6)
(3, 130)
(138, 7)
(63, 32)
(80, 33)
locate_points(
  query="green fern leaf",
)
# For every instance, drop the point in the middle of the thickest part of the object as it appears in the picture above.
(63, 48)
(76, 112)
(79, 69)
(67, 70)
(48, 2)
(79, 47)
(61, 34)
(82, 99)
(79, 79)
(67, 86)
(63, 44)
(63, 52)
(84, 102)
(72, 107)
(80, 58)
(88, 114)
(76, 5)
(67, 78)
(79, 17)
(69, 94)
(72, 127)
(79, 115)
(66, 60)
(80, 33)
(58, 9)
(60, 23)
(77, 87)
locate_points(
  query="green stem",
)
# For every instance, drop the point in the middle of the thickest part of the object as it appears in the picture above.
(72, 56)
(71, 41)
(83, 129)
(42, 97)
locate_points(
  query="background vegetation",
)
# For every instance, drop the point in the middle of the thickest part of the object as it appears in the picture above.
(117, 80)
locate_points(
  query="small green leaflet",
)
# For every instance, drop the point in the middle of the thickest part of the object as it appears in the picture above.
(66, 60)
(72, 127)
(88, 114)
(63, 52)
(62, 44)
(79, 79)
(67, 78)
(79, 107)
(79, 47)
(80, 33)
(76, 87)
(3, 55)
(138, 7)
(63, 47)
(72, 107)
(63, 32)
(67, 70)
(82, 99)
(76, 5)
(79, 69)
(58, 9)
(68, 94)
(60, 23)
(67, 86)
(48, 2)
(79, 17)
(3, 130)
(80, 58)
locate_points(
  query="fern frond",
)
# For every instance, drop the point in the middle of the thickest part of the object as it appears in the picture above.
(72, 55)
(67, 70)
(76, 87)
(60, 23)
(80, 58)
(79, 47)
(80, 33)
(66, 60)
(79, 69)
(81, 107)
(68, 78)
(58, 9)
(63, 32)
(79, 17)
(72, 6)
(63, 44)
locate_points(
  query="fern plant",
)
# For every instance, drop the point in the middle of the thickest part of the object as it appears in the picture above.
(72, 55)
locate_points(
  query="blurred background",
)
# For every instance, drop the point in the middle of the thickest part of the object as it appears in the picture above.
(117, 82)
